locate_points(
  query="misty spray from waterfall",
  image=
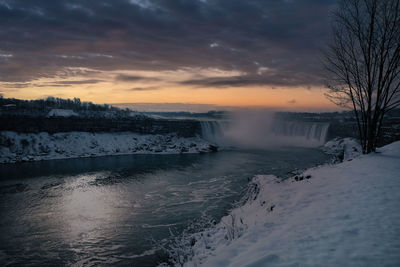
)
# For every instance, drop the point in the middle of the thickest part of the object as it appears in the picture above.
(262, 130)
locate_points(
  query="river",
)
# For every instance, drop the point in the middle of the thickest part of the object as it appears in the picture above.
(112, 210)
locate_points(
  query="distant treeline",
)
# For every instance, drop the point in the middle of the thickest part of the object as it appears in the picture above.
(32, 116)
(54, 102)
(41, 107)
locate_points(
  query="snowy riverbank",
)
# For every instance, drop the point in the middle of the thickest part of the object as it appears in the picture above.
(345, 214)
(16, 147)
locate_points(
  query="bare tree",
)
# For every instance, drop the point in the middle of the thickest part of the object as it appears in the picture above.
(363, 63)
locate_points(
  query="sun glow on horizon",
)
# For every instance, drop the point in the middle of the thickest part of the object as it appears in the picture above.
(124, 86)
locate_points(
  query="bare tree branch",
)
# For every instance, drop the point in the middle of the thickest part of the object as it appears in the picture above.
(363, 62)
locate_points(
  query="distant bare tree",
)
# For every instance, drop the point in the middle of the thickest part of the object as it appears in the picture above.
(363, 63)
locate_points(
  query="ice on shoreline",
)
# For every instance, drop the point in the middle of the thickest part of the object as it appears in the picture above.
(17, 147)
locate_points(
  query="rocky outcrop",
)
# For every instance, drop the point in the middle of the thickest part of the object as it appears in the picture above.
(145, 125)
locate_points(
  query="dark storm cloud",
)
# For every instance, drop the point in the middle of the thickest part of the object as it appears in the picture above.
(151, 88)
(17, 85)
(52, 85)
(39, 38)
(276, 79)
(133, 78)
(235, 81)
(76, 82)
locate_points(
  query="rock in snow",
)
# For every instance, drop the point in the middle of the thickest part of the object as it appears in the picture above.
(346, 214)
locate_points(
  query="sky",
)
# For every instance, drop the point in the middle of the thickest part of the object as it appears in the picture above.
(262, 53)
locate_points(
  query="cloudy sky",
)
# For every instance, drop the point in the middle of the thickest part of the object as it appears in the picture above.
(221, 52)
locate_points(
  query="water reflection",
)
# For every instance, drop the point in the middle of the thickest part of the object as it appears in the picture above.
(90, 217)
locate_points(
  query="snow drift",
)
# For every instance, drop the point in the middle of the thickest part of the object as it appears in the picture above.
(345, 214)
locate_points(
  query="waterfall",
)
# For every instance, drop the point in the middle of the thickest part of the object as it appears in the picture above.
(212, 131)
(264, 133)
(306, 131)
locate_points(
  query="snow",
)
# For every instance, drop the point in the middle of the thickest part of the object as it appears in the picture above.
(62, 113)
(344, 214)
(343, 148)
(15, 147)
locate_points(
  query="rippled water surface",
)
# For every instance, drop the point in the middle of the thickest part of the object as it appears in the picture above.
(111, 210)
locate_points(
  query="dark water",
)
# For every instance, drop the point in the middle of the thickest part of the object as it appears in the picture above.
(111, 210)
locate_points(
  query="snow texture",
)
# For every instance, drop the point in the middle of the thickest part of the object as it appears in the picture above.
(15, 147)
(343, 148)
(346, 214)
(61, 113)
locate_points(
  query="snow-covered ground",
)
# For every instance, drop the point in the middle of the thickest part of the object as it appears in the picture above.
(343, 148)
(346, 214)
(15, 147)
(62, 113)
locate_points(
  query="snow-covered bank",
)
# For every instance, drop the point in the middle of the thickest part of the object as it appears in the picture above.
(15, 147)
(345, 214)
(342, 149)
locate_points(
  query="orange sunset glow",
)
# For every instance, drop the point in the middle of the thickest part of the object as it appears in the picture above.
(170, 91)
